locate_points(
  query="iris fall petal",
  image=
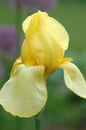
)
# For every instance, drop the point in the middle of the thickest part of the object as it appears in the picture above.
(24, 94)
(74, 79)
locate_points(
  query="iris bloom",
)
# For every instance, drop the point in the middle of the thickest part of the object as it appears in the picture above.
(42, 52)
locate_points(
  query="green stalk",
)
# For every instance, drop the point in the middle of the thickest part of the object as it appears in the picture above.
(18, 24)
(38, 122)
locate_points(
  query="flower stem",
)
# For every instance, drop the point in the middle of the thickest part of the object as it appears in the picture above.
(38, 122)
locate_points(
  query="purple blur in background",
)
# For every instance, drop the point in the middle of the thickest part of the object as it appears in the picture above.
(43, 5)
(1, 1)
(7, 40)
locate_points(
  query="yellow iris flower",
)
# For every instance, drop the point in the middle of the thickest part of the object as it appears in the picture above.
(42, 52)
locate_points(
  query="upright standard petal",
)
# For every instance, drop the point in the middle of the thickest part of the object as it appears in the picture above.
(45, 40)
(24, 94)
(42, 21)
(74, 79)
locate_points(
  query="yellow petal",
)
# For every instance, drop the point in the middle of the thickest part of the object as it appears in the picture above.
(45, 40)
(24, 94)
(74, 79)
(41, 21)
(30, 24)
(15, 66)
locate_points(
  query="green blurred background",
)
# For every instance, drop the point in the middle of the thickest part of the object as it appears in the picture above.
(64, 110)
